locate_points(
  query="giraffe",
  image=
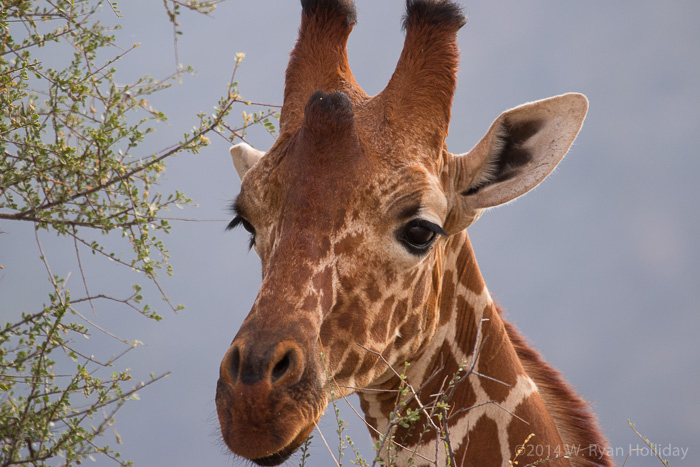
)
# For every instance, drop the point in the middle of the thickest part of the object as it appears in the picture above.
(369, 282)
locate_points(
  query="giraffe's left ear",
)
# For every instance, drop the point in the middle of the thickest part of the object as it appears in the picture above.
(244, 157)
(521, 148)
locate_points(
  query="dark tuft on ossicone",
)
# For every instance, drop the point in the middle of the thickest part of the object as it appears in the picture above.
(433, 12)
(331, 8)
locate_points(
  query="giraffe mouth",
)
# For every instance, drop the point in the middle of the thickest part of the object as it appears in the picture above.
(285, 453)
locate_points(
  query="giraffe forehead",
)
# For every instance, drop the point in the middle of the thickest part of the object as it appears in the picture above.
(333, 190)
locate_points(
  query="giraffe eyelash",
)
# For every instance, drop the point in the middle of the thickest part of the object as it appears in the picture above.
(430, 226)
(240, 221)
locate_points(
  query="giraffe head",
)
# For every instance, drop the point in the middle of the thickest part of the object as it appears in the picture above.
(349, 212)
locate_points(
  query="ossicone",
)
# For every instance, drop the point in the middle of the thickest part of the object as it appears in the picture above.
(328, 115)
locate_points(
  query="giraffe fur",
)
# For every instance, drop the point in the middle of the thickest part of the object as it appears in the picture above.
(370, 285)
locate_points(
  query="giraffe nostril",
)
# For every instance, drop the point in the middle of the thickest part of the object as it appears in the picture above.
(234, 364)
(281, 367)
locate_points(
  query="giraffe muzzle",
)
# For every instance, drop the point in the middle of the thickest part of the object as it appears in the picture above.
(267, 399)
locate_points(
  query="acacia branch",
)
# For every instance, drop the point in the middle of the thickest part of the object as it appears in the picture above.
(25, 215)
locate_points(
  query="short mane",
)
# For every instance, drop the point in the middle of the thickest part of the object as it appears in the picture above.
(577, 425)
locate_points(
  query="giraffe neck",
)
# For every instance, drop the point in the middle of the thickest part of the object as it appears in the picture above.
(469, 375)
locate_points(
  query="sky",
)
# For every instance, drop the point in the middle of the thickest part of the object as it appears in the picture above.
(599, 266)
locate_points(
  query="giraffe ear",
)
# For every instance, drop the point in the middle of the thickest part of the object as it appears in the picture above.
(521, 148)
(244, 157)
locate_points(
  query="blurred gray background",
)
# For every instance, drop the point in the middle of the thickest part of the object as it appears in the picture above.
(599, 267)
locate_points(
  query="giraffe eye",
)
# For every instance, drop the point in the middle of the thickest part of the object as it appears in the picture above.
(419, 234)
(247, 226)
(238, 220)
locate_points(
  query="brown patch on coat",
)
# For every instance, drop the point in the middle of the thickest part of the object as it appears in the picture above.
(482, 448)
